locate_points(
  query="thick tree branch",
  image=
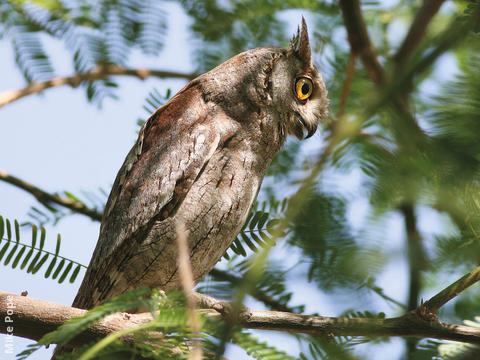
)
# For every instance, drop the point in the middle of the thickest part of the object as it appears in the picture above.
(46, 198)
(417, 31)
(100, 72)
(32, 318)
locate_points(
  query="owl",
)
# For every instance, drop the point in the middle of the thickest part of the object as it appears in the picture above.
(200, 160)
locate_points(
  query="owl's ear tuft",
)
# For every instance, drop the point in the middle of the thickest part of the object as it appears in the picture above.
(300, 45)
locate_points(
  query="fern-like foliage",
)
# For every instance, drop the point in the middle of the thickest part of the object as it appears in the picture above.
(260, 228)
(324, 235)
(258, 349)
(30, 56)
(102, 32)
(225, 30)
(33, 257)
(335, 348)
(327, 350)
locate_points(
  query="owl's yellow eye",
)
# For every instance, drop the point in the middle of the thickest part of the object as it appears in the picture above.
(303, 88)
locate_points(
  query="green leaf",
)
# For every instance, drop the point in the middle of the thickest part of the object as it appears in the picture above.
(9, 230)
(4, 249)
(75, 274)
(65, 273)
(247, 241)
(10, 254)
(2, 228)
(17, 231)
(57, 247)
(43, 234)
(26, 259)
(50, 267)
(40, 263)
(18, 257)
(33, 262)
(239, 247)
(58, 269)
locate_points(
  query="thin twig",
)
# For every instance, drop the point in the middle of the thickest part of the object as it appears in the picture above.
(46, 198)
(186, 279)
(100, 72)
(416, 255)
(416, 260)
(451, 291)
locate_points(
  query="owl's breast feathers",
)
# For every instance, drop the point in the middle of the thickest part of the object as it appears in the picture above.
(195, 162)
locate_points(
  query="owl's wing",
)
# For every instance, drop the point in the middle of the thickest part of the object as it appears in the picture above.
(173, 147)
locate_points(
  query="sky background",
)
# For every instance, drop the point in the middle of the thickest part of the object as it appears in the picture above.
(58, 141)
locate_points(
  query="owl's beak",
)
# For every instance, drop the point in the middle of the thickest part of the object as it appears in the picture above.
(311, 130)
(302, 126)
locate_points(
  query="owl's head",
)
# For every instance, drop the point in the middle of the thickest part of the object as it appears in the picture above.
(282, 84)
(297, 85)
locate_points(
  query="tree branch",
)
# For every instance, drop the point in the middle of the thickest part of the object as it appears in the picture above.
(359, 40)
(100, 72)
(416, 255)
(416, 261)
(33, 318)
(417, 31)
(361, 45)
(453, 290)
(46, 198)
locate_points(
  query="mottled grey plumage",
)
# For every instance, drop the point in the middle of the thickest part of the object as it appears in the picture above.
(200, 159)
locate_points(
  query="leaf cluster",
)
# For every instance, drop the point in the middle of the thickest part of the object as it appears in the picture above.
(32, 257)
(93, 33)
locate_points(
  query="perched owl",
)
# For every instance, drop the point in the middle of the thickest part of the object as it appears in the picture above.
(200, 160)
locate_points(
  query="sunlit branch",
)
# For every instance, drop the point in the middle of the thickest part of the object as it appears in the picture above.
(100, 72)
(46, 198)
(34, 318)
(451, 291)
